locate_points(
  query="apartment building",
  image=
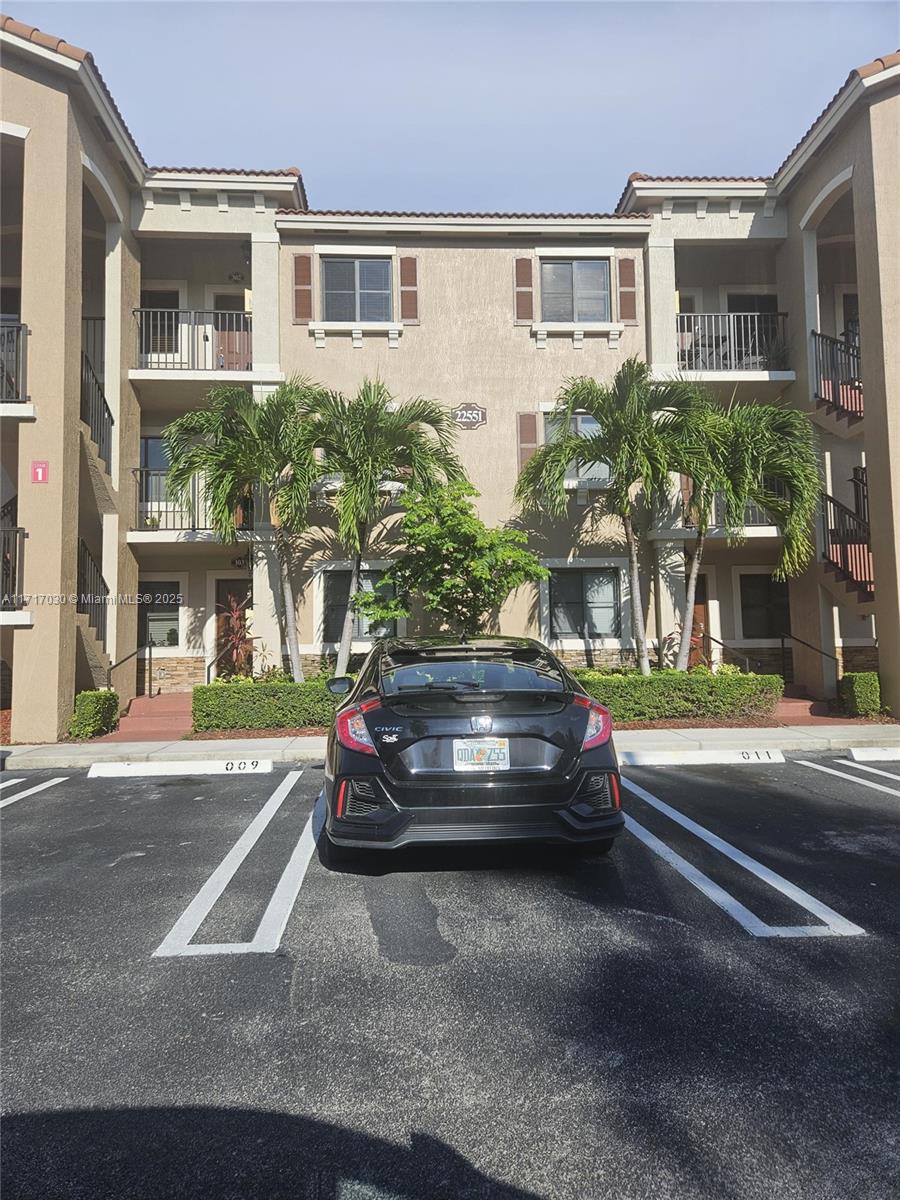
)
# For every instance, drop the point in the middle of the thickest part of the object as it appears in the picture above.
(129, 290)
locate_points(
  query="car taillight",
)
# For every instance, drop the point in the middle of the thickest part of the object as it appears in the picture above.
(341, 799)
(599, 724)
(352, 731)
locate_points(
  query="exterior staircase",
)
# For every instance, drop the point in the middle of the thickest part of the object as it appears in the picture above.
(163, 718)
(838, 388)
(98, 660)
(846, 567)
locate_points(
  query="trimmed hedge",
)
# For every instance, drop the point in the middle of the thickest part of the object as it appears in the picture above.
(95, 713)
(861, 693)
(673, 695)
(250, 705)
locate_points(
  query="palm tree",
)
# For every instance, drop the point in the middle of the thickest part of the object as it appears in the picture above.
(640, 426)
(750, 453)
(362, 443)
(239, 447)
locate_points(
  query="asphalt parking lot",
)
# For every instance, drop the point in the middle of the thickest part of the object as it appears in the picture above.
(196, 1004)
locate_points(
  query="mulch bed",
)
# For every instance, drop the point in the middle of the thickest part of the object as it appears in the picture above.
(5, 724)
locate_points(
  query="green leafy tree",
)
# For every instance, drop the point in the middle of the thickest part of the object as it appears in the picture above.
(452, 563)
(639, 435)
(242, 450)
(362, 444)
(749, 453)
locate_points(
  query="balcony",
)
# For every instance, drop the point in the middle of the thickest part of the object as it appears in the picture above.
(13, 344)
(837, 377)
(713, 343)
(194, 340)
(158, 517)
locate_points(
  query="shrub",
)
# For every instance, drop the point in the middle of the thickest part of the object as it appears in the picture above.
(861, 694)
(247, 704)
(95, 713)
(674, 695)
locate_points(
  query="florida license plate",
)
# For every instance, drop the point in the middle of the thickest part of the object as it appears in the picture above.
(481, 754)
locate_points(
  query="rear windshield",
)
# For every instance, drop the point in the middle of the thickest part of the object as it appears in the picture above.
(490, 672)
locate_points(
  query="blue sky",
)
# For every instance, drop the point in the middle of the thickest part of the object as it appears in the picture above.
(541, 106)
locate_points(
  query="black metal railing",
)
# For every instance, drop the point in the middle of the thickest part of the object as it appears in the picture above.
(156, 510)
(791, 637)
(845, 543)
(12, 552)
(732, 341)
(13, 342)
(95, 411)
(9, 513)
(93, 594)
(93, 343)
(194, 340)
(860, 481)
(837, 377)
(149, 668)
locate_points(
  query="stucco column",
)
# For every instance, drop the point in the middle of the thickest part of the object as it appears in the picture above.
(659, 272)
(112, 349)
(44, 655)
(876, 185)
(264, 269)
(810, 301)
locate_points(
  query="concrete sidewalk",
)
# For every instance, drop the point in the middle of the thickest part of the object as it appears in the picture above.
(809, 738)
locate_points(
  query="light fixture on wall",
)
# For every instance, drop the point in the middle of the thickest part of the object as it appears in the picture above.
(236, 277)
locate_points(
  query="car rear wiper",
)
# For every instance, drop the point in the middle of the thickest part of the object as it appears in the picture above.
(451, 686)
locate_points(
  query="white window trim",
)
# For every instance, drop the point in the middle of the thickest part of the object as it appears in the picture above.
(182, 650)
(355, 251)
(575, 252)
(222, 289)
(359, 646)
(573, 485)
(577, 330)
(393, 330)
(739, 639)
(624, 642)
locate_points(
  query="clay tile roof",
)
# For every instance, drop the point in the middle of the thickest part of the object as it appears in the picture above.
(48, 42)
(280, 171)
(864, 72)
(640, 177)
(517, 216)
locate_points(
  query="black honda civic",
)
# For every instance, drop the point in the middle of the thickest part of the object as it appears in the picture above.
(458, 740)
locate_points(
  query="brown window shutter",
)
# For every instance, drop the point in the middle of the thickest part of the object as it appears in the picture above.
(524, 290)
(528, 436)
(627, 290)
(409, 291)
(302, 289)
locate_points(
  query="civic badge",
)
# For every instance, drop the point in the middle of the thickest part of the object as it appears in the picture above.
(482, 724)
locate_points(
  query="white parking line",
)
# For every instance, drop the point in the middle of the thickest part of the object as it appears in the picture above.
(845, 762)
(177, 942)
(869, 783)
(835, 925)
(31, 791)
(5, 783)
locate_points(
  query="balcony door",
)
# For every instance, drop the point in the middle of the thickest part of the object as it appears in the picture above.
(230, 345)
(160, 327)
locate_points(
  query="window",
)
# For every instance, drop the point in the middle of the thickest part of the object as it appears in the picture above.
(158, 612)
(585, 603)
(154, 465)
(524, 669)
(765, 610)
(576, 290)
(582, 426)
(159, 326)
(337, 592)
(356, 289)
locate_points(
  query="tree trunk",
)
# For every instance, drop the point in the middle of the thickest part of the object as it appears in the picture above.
(637, 603)
(687, 628)
(290, 612)
(343, 658)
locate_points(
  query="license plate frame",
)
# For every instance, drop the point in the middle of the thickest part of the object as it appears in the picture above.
(492, 761)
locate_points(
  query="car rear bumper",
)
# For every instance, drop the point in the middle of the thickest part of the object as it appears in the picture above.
(391, 826)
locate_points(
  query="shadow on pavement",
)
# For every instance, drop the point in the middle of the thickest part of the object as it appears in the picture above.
(229, 1154)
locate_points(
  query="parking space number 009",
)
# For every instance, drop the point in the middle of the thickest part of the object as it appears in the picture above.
(242, 765)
